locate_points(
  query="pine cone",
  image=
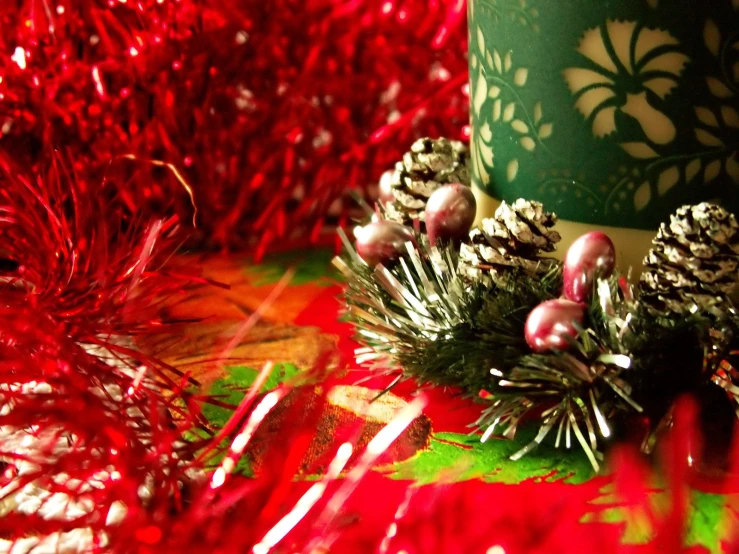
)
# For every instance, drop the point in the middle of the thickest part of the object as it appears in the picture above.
(428, 165)
(693, 263)
(512, 239)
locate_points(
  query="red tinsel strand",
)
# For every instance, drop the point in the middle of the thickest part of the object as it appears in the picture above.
(270, 110)
(77, 254)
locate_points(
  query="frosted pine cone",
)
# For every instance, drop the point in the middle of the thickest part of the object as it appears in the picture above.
(429, 164)
(693, 263)
(514, 238)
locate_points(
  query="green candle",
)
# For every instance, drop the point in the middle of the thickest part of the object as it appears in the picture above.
(611, 113)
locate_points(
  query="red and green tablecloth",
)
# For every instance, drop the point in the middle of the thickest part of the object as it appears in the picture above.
(305, 320)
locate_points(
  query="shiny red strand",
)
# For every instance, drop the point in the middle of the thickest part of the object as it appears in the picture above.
(269, 111)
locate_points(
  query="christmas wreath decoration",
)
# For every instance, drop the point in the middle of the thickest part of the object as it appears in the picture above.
(574, 344)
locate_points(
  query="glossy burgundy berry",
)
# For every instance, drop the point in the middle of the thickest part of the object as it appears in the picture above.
(590, 256)
(450, 212)
(551, 322)
(382, 242)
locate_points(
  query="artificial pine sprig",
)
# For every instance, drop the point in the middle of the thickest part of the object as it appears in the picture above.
(490, 335)
(421, 319)
(420, 316)
(581, 389)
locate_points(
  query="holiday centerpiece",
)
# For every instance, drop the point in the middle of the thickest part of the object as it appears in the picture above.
(575, 344)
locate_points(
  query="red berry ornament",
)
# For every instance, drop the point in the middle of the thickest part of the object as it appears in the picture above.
(551, 322)
(592, 255)
(382, 242)
(450, 212)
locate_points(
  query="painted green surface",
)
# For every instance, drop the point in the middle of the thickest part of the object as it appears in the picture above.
(705, 521)
(232, 389)
(455, 456)
(311, 266)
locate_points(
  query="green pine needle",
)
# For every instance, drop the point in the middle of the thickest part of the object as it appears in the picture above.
(422, 319)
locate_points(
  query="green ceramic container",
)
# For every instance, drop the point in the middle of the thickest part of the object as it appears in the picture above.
(611, 112)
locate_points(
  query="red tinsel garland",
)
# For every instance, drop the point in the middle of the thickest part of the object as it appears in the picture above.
(90, 428)
(270, 110)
